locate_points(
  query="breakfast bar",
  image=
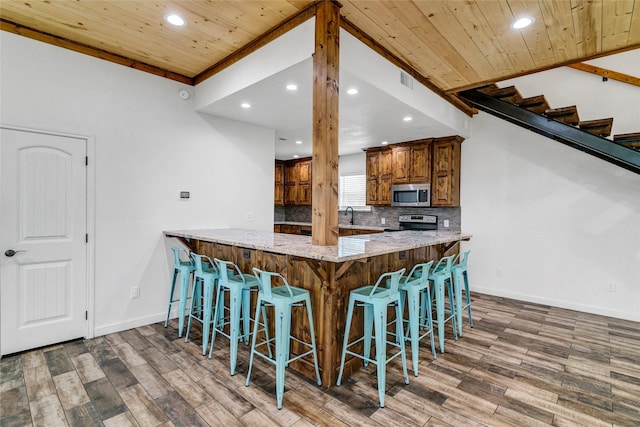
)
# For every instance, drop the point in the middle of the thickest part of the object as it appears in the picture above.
(328, 272)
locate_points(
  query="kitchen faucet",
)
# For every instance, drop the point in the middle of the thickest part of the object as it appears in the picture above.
(347, 210)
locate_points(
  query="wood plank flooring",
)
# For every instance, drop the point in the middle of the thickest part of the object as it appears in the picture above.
(522, 364)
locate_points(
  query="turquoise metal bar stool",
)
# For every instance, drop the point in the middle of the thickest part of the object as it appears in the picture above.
(185, 270)
(413, 288)
(239, 287)
(282, 298)
(375, 300)
(441, 278)
(459, 272)
(205, 277)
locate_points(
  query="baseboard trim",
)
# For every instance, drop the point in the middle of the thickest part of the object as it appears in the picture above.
(635, 317)
(129, 324)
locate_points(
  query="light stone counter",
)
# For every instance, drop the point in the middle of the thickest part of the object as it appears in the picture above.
(348, 248)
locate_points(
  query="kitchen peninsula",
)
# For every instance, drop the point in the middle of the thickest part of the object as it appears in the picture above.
(328, 272)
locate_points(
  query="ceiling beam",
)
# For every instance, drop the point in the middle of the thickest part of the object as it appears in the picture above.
(21, 30)
(385, 53)
(324, 164)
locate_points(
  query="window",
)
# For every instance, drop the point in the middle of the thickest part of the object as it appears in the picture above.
(352, 192)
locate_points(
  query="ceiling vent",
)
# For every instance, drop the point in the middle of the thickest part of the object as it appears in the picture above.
(406, 80)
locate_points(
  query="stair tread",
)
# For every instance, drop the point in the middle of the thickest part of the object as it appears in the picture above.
(508, 94)
(627, 137)
(537, 104)
(600, 127)
(488, 88)
(568, 115)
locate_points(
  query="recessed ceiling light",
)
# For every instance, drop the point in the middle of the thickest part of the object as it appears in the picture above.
(292, 87)
(352, 91)
(407, 118)
(298, 142)
(245, 105)
(295, 156)
(174, 19)
(384, 142)
(523, 22)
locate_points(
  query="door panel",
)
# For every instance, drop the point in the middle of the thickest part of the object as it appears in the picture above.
(43, 287)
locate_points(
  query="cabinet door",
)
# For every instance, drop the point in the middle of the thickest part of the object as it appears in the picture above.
(278, 187)
(445, 189)
(372, 164)
(372, 191)
(401, 164)
(304, 172)
(385, 162)
(384, 190)
(421, 163)
(290, 194)
(304, 194)
(292, 173)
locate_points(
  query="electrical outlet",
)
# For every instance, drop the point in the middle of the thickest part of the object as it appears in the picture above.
(498, 272)
(250, 217)
(383, 221)
(446, 223)
(135, 292)
(611, 287)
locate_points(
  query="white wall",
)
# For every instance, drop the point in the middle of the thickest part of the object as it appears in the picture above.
(551, 224)
(150, 145)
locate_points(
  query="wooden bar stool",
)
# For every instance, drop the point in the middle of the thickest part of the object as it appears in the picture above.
(441, 278)
(412, 288)
(459, 272)
(282, 298)
(375, 300)
(239, 287)
(185, 270)
(204, 283)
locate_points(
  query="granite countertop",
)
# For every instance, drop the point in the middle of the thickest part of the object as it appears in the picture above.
(347, 226)
(348, 247)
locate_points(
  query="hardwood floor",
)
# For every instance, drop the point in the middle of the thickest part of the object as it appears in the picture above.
(522, 364)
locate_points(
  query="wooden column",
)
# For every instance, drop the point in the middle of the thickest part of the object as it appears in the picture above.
(324, 202)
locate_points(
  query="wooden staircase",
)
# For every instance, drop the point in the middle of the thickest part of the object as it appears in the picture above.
(569, 115)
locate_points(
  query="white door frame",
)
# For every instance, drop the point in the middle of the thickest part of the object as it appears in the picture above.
(91, 214)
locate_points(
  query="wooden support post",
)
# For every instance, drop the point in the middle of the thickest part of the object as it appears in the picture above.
(324, 202)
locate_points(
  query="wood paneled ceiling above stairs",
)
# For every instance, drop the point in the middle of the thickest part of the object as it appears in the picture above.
(453, 44)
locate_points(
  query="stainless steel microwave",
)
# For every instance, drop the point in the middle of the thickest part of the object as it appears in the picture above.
(411, 195)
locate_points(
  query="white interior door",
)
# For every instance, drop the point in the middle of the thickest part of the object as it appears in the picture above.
(43, 218)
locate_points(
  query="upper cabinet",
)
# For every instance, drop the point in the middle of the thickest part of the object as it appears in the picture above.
(432, 160)
(379, 176)
(296, 183)
(278, 192)
(445, 187)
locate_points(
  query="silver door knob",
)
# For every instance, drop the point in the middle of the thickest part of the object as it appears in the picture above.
(11, 252)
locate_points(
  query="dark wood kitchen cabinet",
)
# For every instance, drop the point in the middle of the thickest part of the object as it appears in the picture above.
(430, 160)
(401, 161)
(445, 187)
(420, 163)
(379, 176)
(297, 185)
(278, 187)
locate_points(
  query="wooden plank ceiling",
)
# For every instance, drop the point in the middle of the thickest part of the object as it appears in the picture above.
(455, 44)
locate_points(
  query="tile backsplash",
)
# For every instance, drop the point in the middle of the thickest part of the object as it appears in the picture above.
(373, 218)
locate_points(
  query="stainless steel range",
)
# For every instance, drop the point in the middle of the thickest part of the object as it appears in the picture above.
(416, 222)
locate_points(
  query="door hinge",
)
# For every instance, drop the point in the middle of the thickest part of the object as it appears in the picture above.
(86, 315)
(86, 238)
(86, 160)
